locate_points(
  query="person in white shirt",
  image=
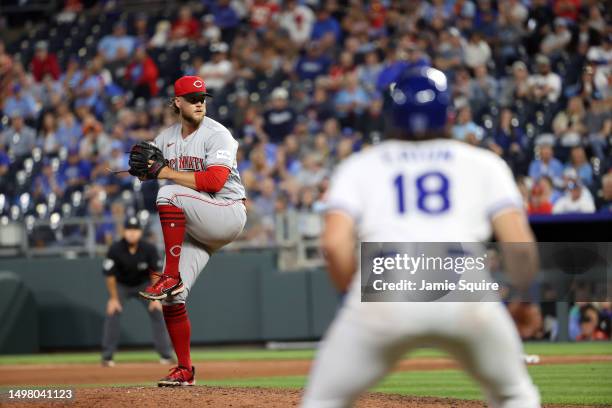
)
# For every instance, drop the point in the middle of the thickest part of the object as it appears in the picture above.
(476, 51)
(545, 84)
(602, 57)
(220, 70)
(297, 20)
(577, 199)
(210, 31)
(555, 41)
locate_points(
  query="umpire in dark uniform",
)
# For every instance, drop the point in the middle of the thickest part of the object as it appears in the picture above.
(127, 268)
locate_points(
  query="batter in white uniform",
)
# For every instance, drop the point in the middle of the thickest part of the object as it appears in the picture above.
(200, 211)
(427, 190)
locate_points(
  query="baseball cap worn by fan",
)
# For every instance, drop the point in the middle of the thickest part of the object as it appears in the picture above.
(190, 85)
(132, 223)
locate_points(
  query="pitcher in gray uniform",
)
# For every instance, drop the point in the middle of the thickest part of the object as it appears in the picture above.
(201, 210)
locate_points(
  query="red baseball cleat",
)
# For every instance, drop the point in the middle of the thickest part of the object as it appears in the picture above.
(164, 287)
(178, 377)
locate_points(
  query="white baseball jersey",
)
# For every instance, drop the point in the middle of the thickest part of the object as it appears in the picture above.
(211, 144)
(429, 191)
(439, 190)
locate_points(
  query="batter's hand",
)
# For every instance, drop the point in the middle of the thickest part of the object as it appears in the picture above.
(113, 306)
(146, 161)
(155, 305)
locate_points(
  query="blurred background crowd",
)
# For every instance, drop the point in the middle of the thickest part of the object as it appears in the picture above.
(301, 85)
(587, 321)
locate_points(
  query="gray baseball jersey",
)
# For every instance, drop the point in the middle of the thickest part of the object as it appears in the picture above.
(211, 144)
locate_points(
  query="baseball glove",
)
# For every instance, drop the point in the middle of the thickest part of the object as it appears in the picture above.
(146, 161)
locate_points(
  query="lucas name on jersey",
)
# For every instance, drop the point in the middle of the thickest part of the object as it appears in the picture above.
(187, 163)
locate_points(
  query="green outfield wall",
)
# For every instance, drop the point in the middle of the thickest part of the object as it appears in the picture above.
(240, 297)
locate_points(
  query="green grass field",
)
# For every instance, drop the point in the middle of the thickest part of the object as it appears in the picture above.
(559, 383)
(221, 354)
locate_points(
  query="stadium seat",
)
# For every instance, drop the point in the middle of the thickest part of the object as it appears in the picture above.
(21, 178)
(15, 213)
(55, 219)
(76, 199)
(143, 216)
(28, 166)
(3, 203)
(66, 209)
(51, 202)
(25, 202)
(29, 222)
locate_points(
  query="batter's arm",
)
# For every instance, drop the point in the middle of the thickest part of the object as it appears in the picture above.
(517, 245)
(338, 246)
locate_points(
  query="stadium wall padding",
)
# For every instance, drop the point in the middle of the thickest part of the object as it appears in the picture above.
(19, 316)
(240, 297)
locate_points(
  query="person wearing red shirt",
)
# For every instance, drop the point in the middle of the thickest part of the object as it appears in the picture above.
(539, 203)
(262, 12)
(568, 9)
(377, 15)
(142, 74)
(185, 27)
(44, 63)
(345, 65)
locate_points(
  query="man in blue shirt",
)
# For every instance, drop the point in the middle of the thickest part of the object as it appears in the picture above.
(546, 165)
(466, 129)
(313, 64)
(90, 89)
(111, 44)
(22, 102)
(47, 183)
(279, 121)
(74, 172)
(325, 24)
(225, 16)
(352, 100)
(19, 139)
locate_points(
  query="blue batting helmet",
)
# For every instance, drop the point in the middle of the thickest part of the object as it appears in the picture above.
(420, 100)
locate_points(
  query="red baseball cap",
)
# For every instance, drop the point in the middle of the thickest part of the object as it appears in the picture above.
(189, 85)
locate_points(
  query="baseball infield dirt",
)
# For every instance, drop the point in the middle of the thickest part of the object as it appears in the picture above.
(217, 397)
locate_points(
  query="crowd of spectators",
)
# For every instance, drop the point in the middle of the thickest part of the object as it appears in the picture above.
(590, 321)
(587, 321)
(302, 85)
